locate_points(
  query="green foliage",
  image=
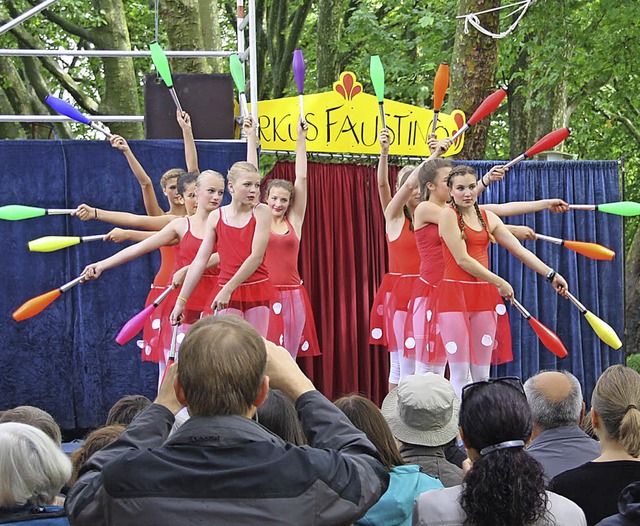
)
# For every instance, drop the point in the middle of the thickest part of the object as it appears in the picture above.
(633, 361)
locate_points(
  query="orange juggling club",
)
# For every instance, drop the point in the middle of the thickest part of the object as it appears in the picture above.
(590, 250)
(440, 85)
(36, 305)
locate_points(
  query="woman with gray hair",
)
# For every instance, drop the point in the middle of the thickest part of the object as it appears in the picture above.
(33, 469)
(615, 412)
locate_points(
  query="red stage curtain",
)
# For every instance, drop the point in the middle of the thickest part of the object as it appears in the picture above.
(342, 261)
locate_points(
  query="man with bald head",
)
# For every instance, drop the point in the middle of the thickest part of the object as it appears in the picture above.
(557, 407)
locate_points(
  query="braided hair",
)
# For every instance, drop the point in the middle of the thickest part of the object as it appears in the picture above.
(464, 169)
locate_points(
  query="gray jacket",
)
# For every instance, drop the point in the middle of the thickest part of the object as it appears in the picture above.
(230, 470)
(563, 448)
(433, 462)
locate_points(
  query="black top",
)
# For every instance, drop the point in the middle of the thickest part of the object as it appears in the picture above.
(595, 486)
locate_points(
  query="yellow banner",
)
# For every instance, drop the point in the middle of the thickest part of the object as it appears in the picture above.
(347, 120)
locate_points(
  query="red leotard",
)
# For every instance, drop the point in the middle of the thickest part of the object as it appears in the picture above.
(462, 293)
(234, 247)
(281, 259)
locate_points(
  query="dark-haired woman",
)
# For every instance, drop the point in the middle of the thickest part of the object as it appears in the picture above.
(505, 486)
(406, 482)
(470, 316)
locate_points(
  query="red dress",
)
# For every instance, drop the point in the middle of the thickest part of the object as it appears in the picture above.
(417, 323)
(395, 290)
(185, 253)
(281, 259)
(462, 294)
(234, 247)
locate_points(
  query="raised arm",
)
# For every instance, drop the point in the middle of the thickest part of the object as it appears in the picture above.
(197, 267)
(86, 213)
(425, 213)
(252, 140)
(190, 152)
(508, 241)
(299, 207)
(146, 185)
(384, 189)
(249, 266)
(450, 233)
(166, 236)
(527, 207)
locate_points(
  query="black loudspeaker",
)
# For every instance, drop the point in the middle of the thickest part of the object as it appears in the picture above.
(208, 99)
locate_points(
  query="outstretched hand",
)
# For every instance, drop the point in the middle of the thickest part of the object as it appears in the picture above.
(84, 212)
(384, 141)
(558, 206)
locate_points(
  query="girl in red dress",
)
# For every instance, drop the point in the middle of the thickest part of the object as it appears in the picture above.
(389, 310)
(470, 316)
(434, 194)
(185, 234)
(288, 205)
(240, 230)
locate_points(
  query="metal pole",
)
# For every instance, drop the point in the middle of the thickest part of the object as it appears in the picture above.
(106, 53)
(26, 15)
(253, 63)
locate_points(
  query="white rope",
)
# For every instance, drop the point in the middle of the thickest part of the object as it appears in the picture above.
(472, 18)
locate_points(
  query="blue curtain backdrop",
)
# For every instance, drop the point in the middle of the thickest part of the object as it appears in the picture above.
(599, 285)
(65, 360)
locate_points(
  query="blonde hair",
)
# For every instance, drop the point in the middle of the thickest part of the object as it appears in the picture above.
(211, 173)
(239, 168)
(459, 170)
(616, 400)
(33, 468)
(174, 173)
(222, 365)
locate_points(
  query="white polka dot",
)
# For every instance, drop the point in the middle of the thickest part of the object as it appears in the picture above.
(451, 347)
(277, 307)
(155, 324)
(410, 343)
(305, 346)
(140, 344)
(376, 333)
(501, 309)
(437, 329)
(487, 340)
(180, 337)
(147, 350)
(429, 315)
(380, 310)
(281, 339)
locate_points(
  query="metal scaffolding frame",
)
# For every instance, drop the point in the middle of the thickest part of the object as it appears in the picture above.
(246, 54)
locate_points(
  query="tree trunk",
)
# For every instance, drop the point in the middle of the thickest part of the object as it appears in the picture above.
(184, 32)
(330, 16)
(209, 21)
(473, 71)
(119, 74)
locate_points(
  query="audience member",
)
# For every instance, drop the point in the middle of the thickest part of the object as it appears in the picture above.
(278, 415)
(422, 413)
(27, 414)
(222, 467)
(615, 411)
(33, 469)
(94, 442)
(587, 426)
(126, 409)
(395, 507)
(505, 486)
(628, 506)
(557, 407)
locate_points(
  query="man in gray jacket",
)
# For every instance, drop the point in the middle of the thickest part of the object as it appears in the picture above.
(221, 467)
(557, 407)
